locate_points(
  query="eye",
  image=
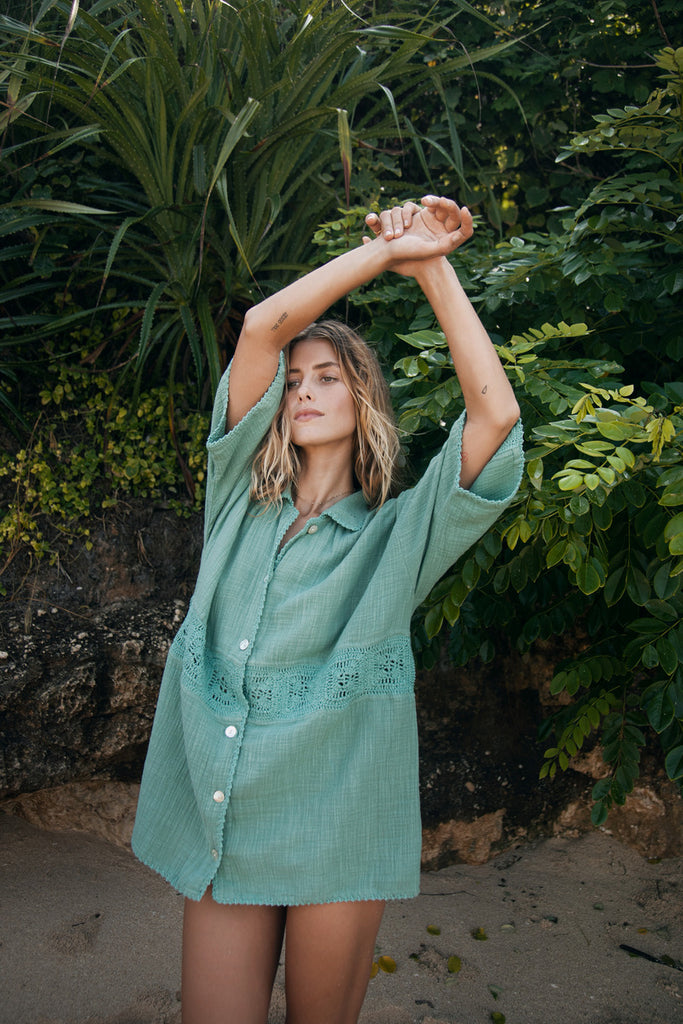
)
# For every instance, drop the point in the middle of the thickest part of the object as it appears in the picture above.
(328, 379)
(293, 383)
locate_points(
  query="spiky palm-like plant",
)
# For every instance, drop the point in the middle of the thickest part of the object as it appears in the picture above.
(207, 139)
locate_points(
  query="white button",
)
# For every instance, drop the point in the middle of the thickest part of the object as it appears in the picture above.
(219, 796)
(312, 528)
(214, 854)
(231, 732)
(244, 644)
(266, 579)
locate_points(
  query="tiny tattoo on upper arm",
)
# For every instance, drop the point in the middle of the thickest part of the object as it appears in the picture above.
(484, 389)
(279, 322)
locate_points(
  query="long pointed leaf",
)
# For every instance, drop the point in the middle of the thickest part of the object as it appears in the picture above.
(147, 320)
(209, 337)
(114, 247)
(192, 337)
(18, 108)
(55, 206)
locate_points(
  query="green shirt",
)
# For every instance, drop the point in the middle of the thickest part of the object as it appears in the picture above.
(283, 765)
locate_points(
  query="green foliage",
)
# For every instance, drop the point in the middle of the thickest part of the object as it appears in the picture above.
(497, 145)
(617, 260)
(593, 545)
(595, 533)
(185, 152)
(87, 452)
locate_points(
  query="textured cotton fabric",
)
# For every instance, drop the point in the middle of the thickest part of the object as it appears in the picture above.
(283, 766)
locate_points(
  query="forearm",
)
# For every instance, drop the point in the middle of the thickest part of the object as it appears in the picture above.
(280, 317)
(490, 402)
(272, 324)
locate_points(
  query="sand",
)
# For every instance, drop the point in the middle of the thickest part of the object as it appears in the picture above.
(90, 936)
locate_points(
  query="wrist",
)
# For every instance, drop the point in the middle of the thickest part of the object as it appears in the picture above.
(434, 272)
(380, 255)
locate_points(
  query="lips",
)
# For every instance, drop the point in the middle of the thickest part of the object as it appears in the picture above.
(306, 414)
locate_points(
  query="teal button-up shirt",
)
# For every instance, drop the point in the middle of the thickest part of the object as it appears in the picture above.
(283, 767)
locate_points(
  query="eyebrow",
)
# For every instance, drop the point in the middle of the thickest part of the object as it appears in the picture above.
(317, 366)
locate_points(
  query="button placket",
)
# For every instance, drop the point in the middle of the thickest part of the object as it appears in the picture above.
(231, 731)
(219, 796)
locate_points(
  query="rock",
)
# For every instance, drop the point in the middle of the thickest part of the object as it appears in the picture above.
(591, 763)
(480, 759)
(86, 641)
(78, 705)
(83, 643)
(104, 809)
(650, 821)
(472, 842)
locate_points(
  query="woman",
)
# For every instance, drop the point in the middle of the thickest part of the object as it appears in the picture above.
(280, 789)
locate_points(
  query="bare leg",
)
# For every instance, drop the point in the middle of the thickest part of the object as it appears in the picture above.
(230, 956)
(328, 955)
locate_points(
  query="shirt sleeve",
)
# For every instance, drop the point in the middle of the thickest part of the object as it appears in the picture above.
(438, 520)
(231, 452)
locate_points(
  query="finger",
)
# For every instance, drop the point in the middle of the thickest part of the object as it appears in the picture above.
(391, 222)
(466, 222)
(445, 210)
(396, 221)
(373, 222)
(465, 230)
(456, 222)
(408, 211)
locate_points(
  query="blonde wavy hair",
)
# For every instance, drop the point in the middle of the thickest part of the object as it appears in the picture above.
(277, 462)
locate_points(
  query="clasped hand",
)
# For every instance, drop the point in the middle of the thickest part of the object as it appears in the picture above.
(419, 233)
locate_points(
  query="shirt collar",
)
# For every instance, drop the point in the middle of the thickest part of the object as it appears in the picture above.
(350, 512)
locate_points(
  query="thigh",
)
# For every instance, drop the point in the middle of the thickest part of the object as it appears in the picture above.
(328, 955)
(230, 956)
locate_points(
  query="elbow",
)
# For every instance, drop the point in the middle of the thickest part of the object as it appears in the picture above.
(503, 419)
(249, 327)
(512, 414)
(495, 420)
(251, 336)
(258, 336)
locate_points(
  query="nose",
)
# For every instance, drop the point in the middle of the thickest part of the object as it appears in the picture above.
(304, 392)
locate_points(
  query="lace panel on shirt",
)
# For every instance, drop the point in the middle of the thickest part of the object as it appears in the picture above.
(275, 694)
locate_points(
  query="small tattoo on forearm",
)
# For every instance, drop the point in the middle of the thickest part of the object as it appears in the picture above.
(279, 322)
(484, 389)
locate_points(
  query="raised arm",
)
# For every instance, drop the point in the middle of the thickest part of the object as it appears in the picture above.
(492, 408)
(271, 324)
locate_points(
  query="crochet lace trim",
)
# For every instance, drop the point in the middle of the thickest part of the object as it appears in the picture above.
(274, 694)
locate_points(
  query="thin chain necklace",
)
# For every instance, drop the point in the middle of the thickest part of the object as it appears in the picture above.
(319, 504)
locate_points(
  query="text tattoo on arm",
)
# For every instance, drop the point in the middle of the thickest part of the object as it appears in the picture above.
(279, 322)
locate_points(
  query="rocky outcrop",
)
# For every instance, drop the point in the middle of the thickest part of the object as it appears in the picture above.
(82, 648)
(102, 808)
(78, 697)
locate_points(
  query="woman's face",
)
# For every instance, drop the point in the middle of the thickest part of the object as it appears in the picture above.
(319, 405)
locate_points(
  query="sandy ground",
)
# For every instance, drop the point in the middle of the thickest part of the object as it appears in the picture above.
(89, 935)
